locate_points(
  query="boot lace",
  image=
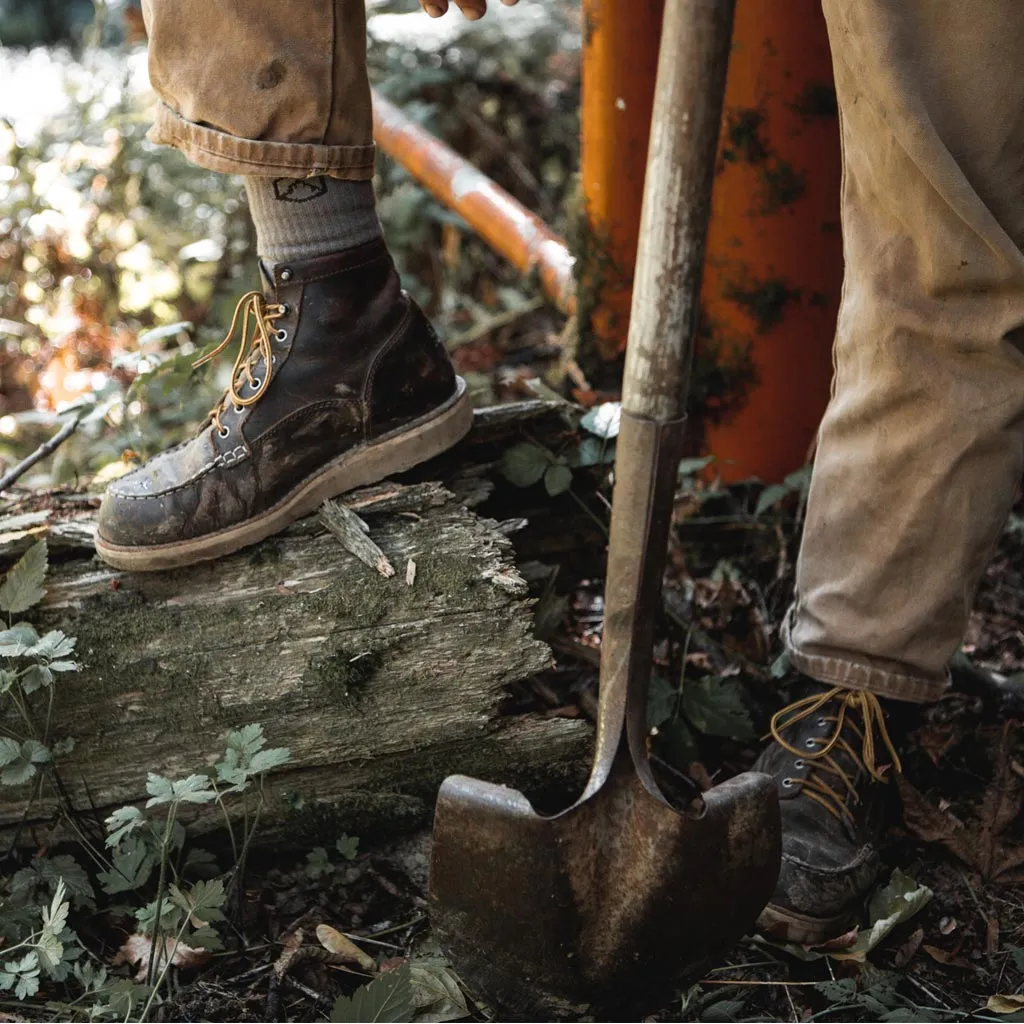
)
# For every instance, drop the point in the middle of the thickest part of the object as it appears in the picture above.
(850, 705)
(257, 317)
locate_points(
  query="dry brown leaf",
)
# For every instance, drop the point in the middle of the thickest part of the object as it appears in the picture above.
(1005, 1004)
(906, 952)
(342, 947)
(138, 948)
(926, 822)
(941, 956)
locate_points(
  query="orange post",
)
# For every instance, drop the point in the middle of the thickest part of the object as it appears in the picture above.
(774, 255)
(620, 59)
(501, 220)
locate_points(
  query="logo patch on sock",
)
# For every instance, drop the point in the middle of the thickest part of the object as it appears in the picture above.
(299, 190)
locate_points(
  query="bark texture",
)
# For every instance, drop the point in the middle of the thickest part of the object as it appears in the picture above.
(379, 687)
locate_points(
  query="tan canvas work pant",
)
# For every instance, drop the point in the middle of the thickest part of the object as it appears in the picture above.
(274, 88)
(922, 446)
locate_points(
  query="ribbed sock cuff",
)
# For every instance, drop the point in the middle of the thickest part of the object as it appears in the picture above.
(302, 218)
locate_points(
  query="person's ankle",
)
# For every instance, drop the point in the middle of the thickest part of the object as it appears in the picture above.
(303, 218)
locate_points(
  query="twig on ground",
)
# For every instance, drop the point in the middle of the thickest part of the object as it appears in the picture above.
(354, 535)
(46, 448)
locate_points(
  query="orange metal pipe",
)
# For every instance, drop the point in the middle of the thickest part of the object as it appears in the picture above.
(774, 254)
(502, 221)
(620, 61)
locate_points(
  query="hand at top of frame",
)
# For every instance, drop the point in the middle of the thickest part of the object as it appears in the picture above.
(472, 9)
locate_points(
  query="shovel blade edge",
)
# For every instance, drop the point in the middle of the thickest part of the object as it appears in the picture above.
(609, 906)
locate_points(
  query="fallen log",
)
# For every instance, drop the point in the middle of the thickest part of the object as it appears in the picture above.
(380, 686)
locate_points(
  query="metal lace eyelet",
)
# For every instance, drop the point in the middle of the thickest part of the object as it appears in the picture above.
(285, 309)
(273, 359)
(787, 783)
(285, 274)
(223, 432)
(810, 744)
(799, 763)
(822, 722)
(237, 408)
(281, 335)
(256, 383)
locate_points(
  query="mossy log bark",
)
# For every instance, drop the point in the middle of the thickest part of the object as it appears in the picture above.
(379, 687)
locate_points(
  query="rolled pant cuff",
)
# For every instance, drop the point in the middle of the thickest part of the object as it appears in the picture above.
(218, 151)
(835, 669)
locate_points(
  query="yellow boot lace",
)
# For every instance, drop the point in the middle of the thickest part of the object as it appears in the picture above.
(257, 329)
(819, 750)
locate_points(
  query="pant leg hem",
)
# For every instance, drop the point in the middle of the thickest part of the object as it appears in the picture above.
(841, 670)
(854, 676)
(218, 151)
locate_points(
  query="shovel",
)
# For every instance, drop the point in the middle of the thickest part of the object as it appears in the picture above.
(611, 905)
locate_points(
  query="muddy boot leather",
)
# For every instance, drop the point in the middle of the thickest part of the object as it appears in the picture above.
(358, 387)
(832, 788)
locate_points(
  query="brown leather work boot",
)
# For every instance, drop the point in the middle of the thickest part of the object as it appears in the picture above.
(832, 787)
(340, 381)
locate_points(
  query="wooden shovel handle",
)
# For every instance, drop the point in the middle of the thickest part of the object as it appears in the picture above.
(696, 36)
(666, 296)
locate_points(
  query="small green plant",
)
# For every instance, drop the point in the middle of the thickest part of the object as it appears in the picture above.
(527, 462)
(177, 916)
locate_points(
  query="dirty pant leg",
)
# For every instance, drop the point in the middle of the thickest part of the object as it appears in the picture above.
(921, 448)
(277, 89)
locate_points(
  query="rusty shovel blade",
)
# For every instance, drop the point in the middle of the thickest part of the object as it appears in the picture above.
(609, 906)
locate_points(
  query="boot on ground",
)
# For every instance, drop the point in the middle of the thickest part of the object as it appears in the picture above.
(832, 759)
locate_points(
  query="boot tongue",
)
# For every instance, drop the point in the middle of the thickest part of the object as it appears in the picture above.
(267, 280)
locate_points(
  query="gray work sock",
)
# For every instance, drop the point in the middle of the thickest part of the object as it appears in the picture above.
(300, 218)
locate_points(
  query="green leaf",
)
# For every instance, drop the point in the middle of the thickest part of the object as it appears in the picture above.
(266, 760)
(202, 901)
(714, 706)
(63, 747)
(18, 641)
(525, 463)
(194, 789)
(10, 750)
(50, 950)
(603, 420)
(839, 991)
(687, 467)
(63, 666)
(246, 742)
(55, 644)
(557, 479)
(35, 678)
(23, 587)
(677, 743)
(122, 822)
(28, 984)
(21, 975)
(206, 938)
(318, 863)
(21, 767)
(133, 863)
(347, 846)
(49, 873)
(170, 917)
(387, 998)
(661, 701)
(592, 451)
(771, 496)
